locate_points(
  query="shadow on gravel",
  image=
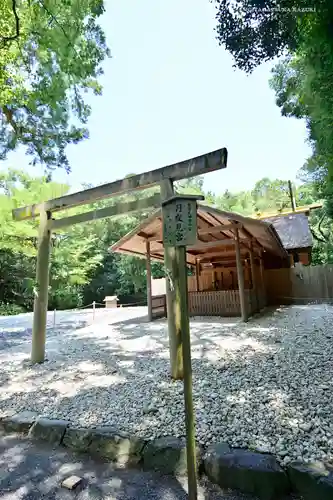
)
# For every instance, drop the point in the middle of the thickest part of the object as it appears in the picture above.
(14, 336)
(30, 472)
(99, 371)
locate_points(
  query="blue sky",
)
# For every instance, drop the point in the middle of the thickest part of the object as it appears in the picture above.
(170, 93)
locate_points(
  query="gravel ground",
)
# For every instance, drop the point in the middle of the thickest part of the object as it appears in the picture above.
(266, 385)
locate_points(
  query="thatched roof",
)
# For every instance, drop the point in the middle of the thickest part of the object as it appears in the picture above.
(293, 229)
(218, 246)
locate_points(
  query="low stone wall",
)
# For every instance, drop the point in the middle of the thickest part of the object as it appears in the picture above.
(251, 472)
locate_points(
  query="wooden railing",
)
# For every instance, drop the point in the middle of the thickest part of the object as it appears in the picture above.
(211, 303)
(159, 306)
(214, 303)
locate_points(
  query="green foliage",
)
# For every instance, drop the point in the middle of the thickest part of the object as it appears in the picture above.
(16, 277)
(303, 84)
(193, 185)
(241, 202)
(50, 56)
(271, 195)
(304, 89)
(74, 255)
(255, 31)
(82, 268)
(10, 309)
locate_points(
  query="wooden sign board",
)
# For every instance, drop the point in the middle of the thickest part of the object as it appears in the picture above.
(180, 222)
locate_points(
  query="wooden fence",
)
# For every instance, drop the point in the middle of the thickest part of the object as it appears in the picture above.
(226, 278)
(209, 302)
(159, 306)
(300, 285)
(214, 303)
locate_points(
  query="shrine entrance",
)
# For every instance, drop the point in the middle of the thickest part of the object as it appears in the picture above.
(226, 262)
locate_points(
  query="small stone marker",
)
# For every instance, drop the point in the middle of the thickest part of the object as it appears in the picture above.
(71, 482)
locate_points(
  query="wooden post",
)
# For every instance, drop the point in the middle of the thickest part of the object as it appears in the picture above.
(233, 284)
(240, 276)
(176, 358)
(197, 274)
(262, 278)
(183, 331)
(247, 277)
(149, 284)
(254, 278)
(179, 230)
(42, 290)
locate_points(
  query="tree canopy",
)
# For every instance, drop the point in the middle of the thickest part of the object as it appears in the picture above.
(50, 57)
(301, 31)
(255, 31)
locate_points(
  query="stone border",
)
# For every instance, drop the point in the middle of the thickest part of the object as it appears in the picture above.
(239, 469)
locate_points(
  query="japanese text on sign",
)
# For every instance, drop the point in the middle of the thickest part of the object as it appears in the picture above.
(179, 223)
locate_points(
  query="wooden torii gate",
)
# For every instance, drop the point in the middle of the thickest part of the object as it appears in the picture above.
(174, 257)
(165, 177)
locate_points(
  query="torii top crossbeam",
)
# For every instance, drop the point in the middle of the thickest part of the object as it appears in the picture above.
(199, 165)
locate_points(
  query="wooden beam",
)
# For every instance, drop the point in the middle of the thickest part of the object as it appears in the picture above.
(299, 210)
(149, 284)
(211, 244)
(214, 244)
(199, 165)
(102, 213)
(254, 278)
(255, 245)
(222, 265)
(240, 275)
(217, 229)
(205, 232)
(250, 237)
(247, 275)
(233, 284)
(197, 274)
(175, 348)
(262, 277)
(211, 255)
(154, 255)
(41, 291)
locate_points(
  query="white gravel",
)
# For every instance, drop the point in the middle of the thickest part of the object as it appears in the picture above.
(266, 385)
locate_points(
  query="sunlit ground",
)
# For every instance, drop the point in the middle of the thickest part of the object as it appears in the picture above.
(265, 385)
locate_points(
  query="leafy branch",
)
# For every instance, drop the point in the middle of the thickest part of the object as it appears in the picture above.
(316, 237)
(7, 39)
(326, 238)
(55, 20)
